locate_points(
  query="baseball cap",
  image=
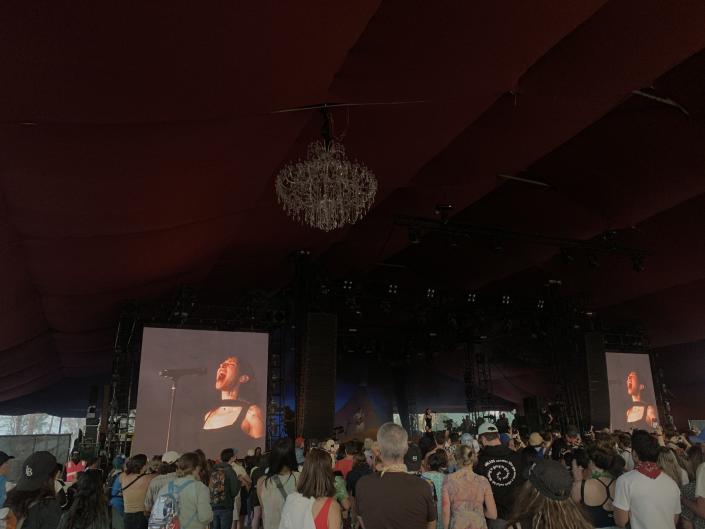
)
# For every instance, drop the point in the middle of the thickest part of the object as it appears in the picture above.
(412, 459)
(4, 458)
(170, 457)
(36, 471)
(487, 427)
(551, 479)
(466, 439)
(535, 439)
(504, 438)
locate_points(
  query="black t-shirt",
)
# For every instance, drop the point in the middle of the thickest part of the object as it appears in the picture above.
(354, 475)
(394, 500)
(504, 469)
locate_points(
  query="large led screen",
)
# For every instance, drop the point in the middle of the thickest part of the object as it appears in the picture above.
(631, 388)
(220, 396)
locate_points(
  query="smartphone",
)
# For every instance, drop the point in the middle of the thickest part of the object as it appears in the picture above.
(655, 423)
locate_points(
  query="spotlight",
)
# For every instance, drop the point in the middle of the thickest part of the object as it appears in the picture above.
(540, 304)
(431, 293)
(506, 300)
(472, 297)
(393, 289)
(347, 285)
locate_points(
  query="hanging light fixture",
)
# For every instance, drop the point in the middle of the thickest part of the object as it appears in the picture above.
(326, 190)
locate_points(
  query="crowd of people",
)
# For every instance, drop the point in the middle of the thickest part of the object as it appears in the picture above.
(441, 480)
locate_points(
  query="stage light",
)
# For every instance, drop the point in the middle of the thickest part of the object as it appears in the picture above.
(347, 285)
(540, 304)
(431, 293)
(393, 289)
(472, 298)
(506, 300)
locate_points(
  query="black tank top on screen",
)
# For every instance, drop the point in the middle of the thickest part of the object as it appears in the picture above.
(641, 423)
(228, 436)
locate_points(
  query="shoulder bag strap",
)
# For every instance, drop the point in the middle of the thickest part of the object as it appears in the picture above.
(123, 489)
(279, 485)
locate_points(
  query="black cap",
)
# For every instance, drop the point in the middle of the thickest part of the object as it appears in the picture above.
(551, 479)
(412, 459)
(36, 470)
(4, 458)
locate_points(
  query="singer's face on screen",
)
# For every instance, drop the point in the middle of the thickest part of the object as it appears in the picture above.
(633, 386)
(226, 377)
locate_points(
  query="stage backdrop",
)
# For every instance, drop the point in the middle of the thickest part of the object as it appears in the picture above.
(220, 374)
(631, 389)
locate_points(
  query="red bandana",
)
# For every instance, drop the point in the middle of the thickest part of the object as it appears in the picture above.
(649, 469)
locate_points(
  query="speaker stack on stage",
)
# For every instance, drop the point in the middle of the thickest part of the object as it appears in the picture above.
(317, 370)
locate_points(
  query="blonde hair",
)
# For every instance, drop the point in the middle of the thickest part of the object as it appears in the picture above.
(668, 462)
(465, 455)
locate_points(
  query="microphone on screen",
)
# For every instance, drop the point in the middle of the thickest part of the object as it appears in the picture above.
(176, 373)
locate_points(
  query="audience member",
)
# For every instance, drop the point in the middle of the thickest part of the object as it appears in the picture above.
(224, 488)
(194, 497)
(467, 497)
(4, 469)
(33, 502)
(313, 506)
(255, 474)
(167, 473)
(134, 483)
(437, 463)
(693, 499)
(646, 497)
(89, 507)
(391, 498)
(544, 501)
(502, 467)
(280, 481)
(345, 465)
(596, 492)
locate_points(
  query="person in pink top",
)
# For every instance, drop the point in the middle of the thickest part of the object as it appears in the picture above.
(74, 466)
(467, 497)
(345, 465)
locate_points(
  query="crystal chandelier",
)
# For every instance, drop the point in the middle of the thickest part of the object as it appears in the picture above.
(326, 190)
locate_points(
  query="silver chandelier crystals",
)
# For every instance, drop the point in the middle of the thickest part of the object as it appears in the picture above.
(326, 190)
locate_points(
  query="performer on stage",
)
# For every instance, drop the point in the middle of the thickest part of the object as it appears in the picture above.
(428, 419)
(235, 415)
(639, 414)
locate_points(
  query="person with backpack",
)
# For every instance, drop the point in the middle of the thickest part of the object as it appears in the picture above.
(224, 488)
(89, 509)
(184, 502)
(280, 481)
(114, 494)
(33, 502)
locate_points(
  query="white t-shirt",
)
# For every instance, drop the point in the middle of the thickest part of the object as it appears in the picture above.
(684, 476)
(700, 481)
(651, 502)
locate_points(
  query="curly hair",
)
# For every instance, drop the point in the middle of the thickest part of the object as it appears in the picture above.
(89, 507)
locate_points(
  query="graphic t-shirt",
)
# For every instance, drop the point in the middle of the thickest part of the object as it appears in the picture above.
(504, 469)
(395, 500)
(651, 503)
